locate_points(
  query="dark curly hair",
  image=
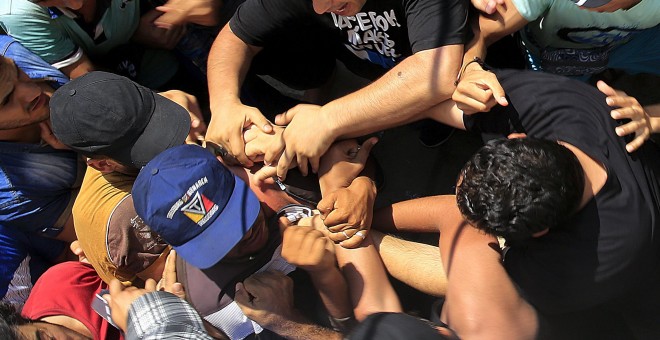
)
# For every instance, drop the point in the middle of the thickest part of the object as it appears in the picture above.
(515, 188)
(10, 319)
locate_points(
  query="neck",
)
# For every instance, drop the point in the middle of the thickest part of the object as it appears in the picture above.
(70, 323)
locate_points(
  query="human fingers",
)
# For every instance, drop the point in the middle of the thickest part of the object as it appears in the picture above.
(237, 149)
(623, 102)
(470, 105)
(257, 118)
(341, 236)
(48, 136)
(169, 18)
(302, 164)
(291, 244)
(250, 133)
(496, 88)
(634, 126)
(327, 204)
(336, 219)
(150, 285)
(115, 287)
(606, 89)
(283, 164)
(516, 135)
(286, 117)
(314, 163)
(355, 240)
(242, 296)
(266, 172)
(634, 113)
(169, 272)
(365, 149)
(273, 154)
(638, 141)
(118, 303)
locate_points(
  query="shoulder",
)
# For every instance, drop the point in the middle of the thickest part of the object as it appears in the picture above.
(15, 11)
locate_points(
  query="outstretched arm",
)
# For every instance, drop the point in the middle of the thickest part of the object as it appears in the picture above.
(228, 63)
(416, 264)
(481, 302)
(401, 95)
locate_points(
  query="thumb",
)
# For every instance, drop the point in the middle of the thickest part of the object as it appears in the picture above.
(286, 117)
(260, 121)
(365, 149)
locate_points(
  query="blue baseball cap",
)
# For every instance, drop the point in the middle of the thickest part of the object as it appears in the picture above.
(194, 203)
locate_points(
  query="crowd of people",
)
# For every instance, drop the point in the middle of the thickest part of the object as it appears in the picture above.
(201, 169)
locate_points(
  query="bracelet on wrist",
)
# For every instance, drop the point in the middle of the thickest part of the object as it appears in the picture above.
(460, 73)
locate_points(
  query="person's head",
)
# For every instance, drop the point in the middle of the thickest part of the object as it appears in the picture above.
(15, 327)
(199, 207)
(520, 188)
(22, 101)
(116, 122)
(606, 5)
(338, 7)
(70, 4)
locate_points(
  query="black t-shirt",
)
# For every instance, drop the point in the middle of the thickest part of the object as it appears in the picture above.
(382, 34)
(607, 252)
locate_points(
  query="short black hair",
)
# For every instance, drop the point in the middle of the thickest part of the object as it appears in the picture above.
(10, 319)
(515, 188)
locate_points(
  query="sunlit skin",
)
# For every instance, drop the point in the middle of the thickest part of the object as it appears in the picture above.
(44, 330)
(339, 7)
(22, 101)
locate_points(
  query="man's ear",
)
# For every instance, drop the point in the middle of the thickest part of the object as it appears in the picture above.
(101, 165)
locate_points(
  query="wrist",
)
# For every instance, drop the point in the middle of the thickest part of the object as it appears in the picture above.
(328, 126)
(655, 124)
(476, 64)
(366, 182)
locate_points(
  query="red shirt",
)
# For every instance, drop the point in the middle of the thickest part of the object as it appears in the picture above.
(68, 289)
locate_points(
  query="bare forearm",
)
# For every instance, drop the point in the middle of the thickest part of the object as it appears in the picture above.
(369, 287)
(333, 291)
(482, 301)
(447, 113)
(228, 63)
(426, 214)
(414, 85)
(302, 330)
(415, 264)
